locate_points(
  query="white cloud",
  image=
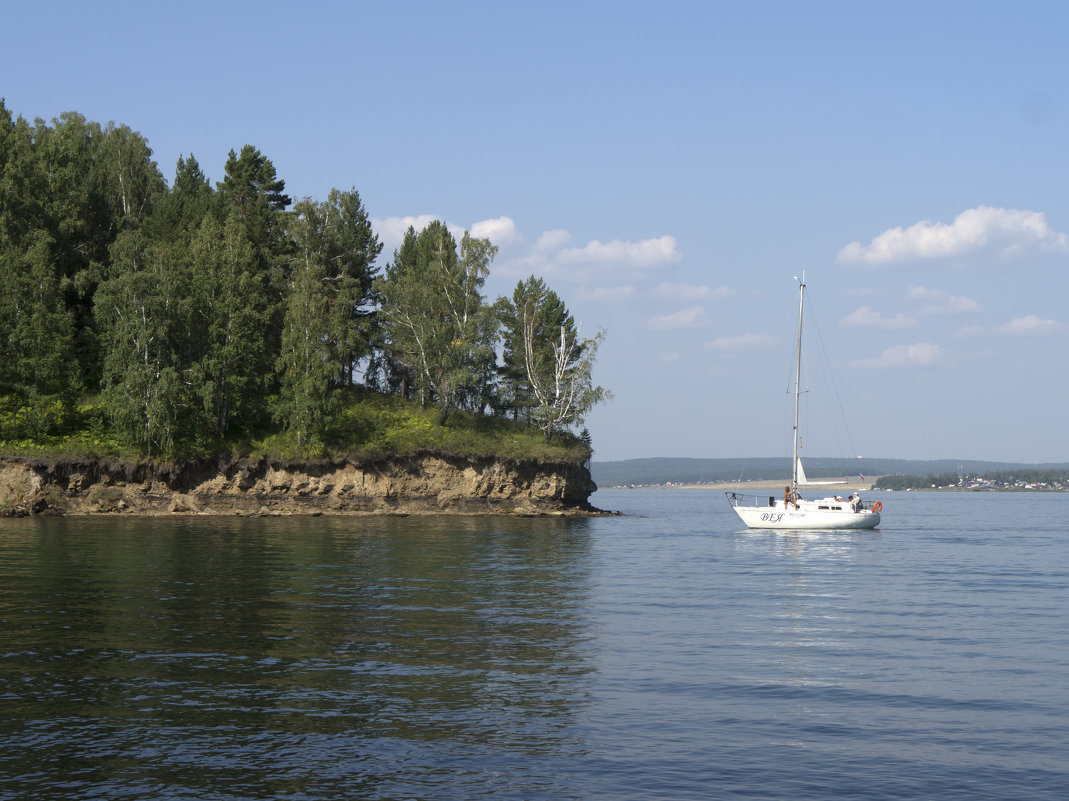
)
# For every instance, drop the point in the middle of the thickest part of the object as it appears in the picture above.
(1030, 325)
(522, 266)
(689, 291)
(983, 232)
(867, 318)
(606, 293)
(391, 230)
(549, 257)
(939, 302)
(501, 231)
(551, 240)
(922, 354)
(693, 317)
(645, 253)
(743, 342)
(668, 356)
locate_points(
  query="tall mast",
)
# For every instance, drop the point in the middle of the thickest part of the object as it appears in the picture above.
(797, 384)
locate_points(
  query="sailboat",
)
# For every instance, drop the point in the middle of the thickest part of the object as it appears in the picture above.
(792, 511)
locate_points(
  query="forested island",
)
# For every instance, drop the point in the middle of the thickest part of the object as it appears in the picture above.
(191, 323)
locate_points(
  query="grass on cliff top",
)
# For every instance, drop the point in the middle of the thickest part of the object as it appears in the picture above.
(367, 425)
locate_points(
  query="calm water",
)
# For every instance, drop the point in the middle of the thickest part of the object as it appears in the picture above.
(664, 654)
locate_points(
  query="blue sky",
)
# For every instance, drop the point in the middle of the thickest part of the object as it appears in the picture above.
(668, 169)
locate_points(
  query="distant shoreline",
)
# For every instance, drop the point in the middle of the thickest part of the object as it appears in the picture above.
(724, 473)
(847, 485)
(749, 487)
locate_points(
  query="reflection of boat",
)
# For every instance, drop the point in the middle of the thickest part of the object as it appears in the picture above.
(792, 511)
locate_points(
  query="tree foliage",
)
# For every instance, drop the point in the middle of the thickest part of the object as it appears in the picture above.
(1020, 478)
(230, 309)
(139, 319)
(549, 367)
(435, 321)
(201, 312)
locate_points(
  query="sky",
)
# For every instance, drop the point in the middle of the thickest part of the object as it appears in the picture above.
(669, 169)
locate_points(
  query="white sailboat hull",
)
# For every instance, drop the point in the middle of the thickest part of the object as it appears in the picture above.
(814, 515)
(792, 512)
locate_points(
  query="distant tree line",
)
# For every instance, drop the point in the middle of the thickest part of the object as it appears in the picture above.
(1056, 477)
(1039, 476)
(904, 482)
(195, 311)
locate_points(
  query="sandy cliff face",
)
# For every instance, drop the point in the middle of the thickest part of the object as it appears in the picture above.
(427, 483)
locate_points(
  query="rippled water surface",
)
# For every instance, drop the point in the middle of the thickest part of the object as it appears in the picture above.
(666, 653)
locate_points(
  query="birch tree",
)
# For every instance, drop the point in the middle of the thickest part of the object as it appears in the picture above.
(137, 314)
(533, 303)
(557, 361)
(433, 312)
(304, 363)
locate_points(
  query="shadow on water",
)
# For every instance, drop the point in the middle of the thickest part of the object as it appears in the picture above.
(230, 658)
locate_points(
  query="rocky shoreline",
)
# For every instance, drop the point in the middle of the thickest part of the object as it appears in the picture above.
(428, 483)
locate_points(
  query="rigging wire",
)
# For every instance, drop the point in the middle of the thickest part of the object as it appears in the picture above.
(803, 389)
(826, 365)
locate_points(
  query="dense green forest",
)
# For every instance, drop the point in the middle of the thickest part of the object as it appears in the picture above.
(183, 319)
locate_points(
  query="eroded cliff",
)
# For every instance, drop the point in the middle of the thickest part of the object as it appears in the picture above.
(424, 483)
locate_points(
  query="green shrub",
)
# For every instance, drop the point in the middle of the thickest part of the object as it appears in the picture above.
(366, 425)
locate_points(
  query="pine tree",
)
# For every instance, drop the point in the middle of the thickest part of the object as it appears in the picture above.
(180, 211)
(351, 248)
(252, 193)
(231, 371)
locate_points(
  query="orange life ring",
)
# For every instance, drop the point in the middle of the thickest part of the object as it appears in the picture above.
(877, 507)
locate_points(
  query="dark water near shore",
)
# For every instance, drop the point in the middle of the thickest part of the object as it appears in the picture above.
(664, 654)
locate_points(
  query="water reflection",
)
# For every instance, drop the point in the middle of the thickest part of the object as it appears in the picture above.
(164, 653)
(811, 629)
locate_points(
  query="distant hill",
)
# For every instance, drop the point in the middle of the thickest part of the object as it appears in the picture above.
(670, 470)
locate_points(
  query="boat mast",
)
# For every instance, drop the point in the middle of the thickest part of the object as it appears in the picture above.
(797, 385)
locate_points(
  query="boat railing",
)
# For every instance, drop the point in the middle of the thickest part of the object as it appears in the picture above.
(736, 498)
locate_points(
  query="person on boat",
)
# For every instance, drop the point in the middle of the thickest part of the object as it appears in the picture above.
(789, 497)
(855, 502)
